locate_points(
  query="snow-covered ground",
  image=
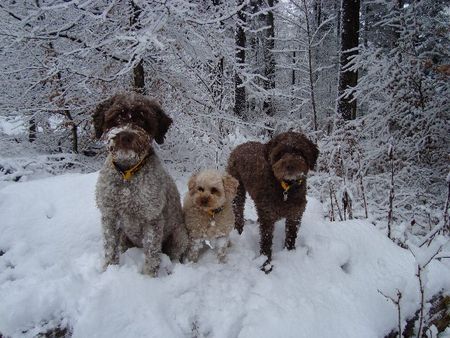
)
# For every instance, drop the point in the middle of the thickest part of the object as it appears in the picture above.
(50, 275)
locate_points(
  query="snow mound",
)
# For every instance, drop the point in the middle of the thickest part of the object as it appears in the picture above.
(50, 276)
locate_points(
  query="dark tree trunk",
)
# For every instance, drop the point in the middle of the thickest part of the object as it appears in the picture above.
(138, 70)
(74, 131)
(61, 103)
(217, 68)
(337, 10)
(317, 13)
(269, 59)
(239, 89)
(32, 130)
(294, 64)
(346, 106)
(365, 33)
(139, 78)
(309, 35)
(217, 83)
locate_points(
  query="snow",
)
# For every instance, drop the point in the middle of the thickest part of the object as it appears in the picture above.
(50, 275)
(11, 126)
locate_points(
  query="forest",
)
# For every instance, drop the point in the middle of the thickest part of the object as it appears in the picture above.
(368, 82)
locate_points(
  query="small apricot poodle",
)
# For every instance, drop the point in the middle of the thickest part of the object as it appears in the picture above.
(208, 212)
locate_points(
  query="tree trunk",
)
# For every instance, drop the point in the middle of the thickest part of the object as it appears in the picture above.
(317, 13)
(138, 70)
(217, 83)
(32, 130)
(269, 60)
(74, 130)
(346, 106)
(139, 78)
(216, 67)
(239, 89)
(310, 66)
(337, 9)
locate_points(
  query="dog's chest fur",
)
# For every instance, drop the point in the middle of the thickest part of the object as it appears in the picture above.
(202, 225)
(135, 202)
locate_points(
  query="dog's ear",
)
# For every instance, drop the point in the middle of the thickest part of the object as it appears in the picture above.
(310, 152)
(98, 117)
(230, 185)
(192, 183)
(164, 122)
(268, 148)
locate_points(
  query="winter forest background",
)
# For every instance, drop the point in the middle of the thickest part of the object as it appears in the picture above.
(368, 80)
(231, 71)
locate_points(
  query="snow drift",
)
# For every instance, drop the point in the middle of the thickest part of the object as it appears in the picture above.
(50, 276)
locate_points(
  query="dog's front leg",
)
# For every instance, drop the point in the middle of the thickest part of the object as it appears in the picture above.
(152, 244)
(194, 250)
(222, 243)
(110, 238)
(292, 226)
(266, 228)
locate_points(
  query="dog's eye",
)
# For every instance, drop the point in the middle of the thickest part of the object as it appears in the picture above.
(200, 189)
(214, 191)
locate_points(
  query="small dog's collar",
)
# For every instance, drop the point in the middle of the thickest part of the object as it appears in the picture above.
(128, 174)
(287, 186)
(214, 212)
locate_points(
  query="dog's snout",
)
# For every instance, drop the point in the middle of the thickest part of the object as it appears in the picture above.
(204, 200)
(124, 138)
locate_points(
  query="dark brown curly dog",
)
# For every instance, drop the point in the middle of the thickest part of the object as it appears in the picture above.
(274, 174)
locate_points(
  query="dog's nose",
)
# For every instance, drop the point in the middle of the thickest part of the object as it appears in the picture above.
(204, 200)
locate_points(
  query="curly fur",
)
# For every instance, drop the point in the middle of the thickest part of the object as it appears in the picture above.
(144, 211)
(260, 168)
(209, 190)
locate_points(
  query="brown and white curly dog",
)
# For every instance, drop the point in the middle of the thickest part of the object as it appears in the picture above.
(139, 202)
(274, 175)
(208, 212)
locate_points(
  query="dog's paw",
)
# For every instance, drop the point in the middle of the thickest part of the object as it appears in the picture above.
(222, 258)
(108, 263)
(150, 271)
(267, 267)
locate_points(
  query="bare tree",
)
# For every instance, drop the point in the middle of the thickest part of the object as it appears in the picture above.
(240, 40)
(346, 105)
(391, 191)
(309, 35)
(269, 59)
(138, 69)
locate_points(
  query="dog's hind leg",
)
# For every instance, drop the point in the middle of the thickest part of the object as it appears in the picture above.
(124, 242)
(292, 226)
(238, 208)
(176, 244)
